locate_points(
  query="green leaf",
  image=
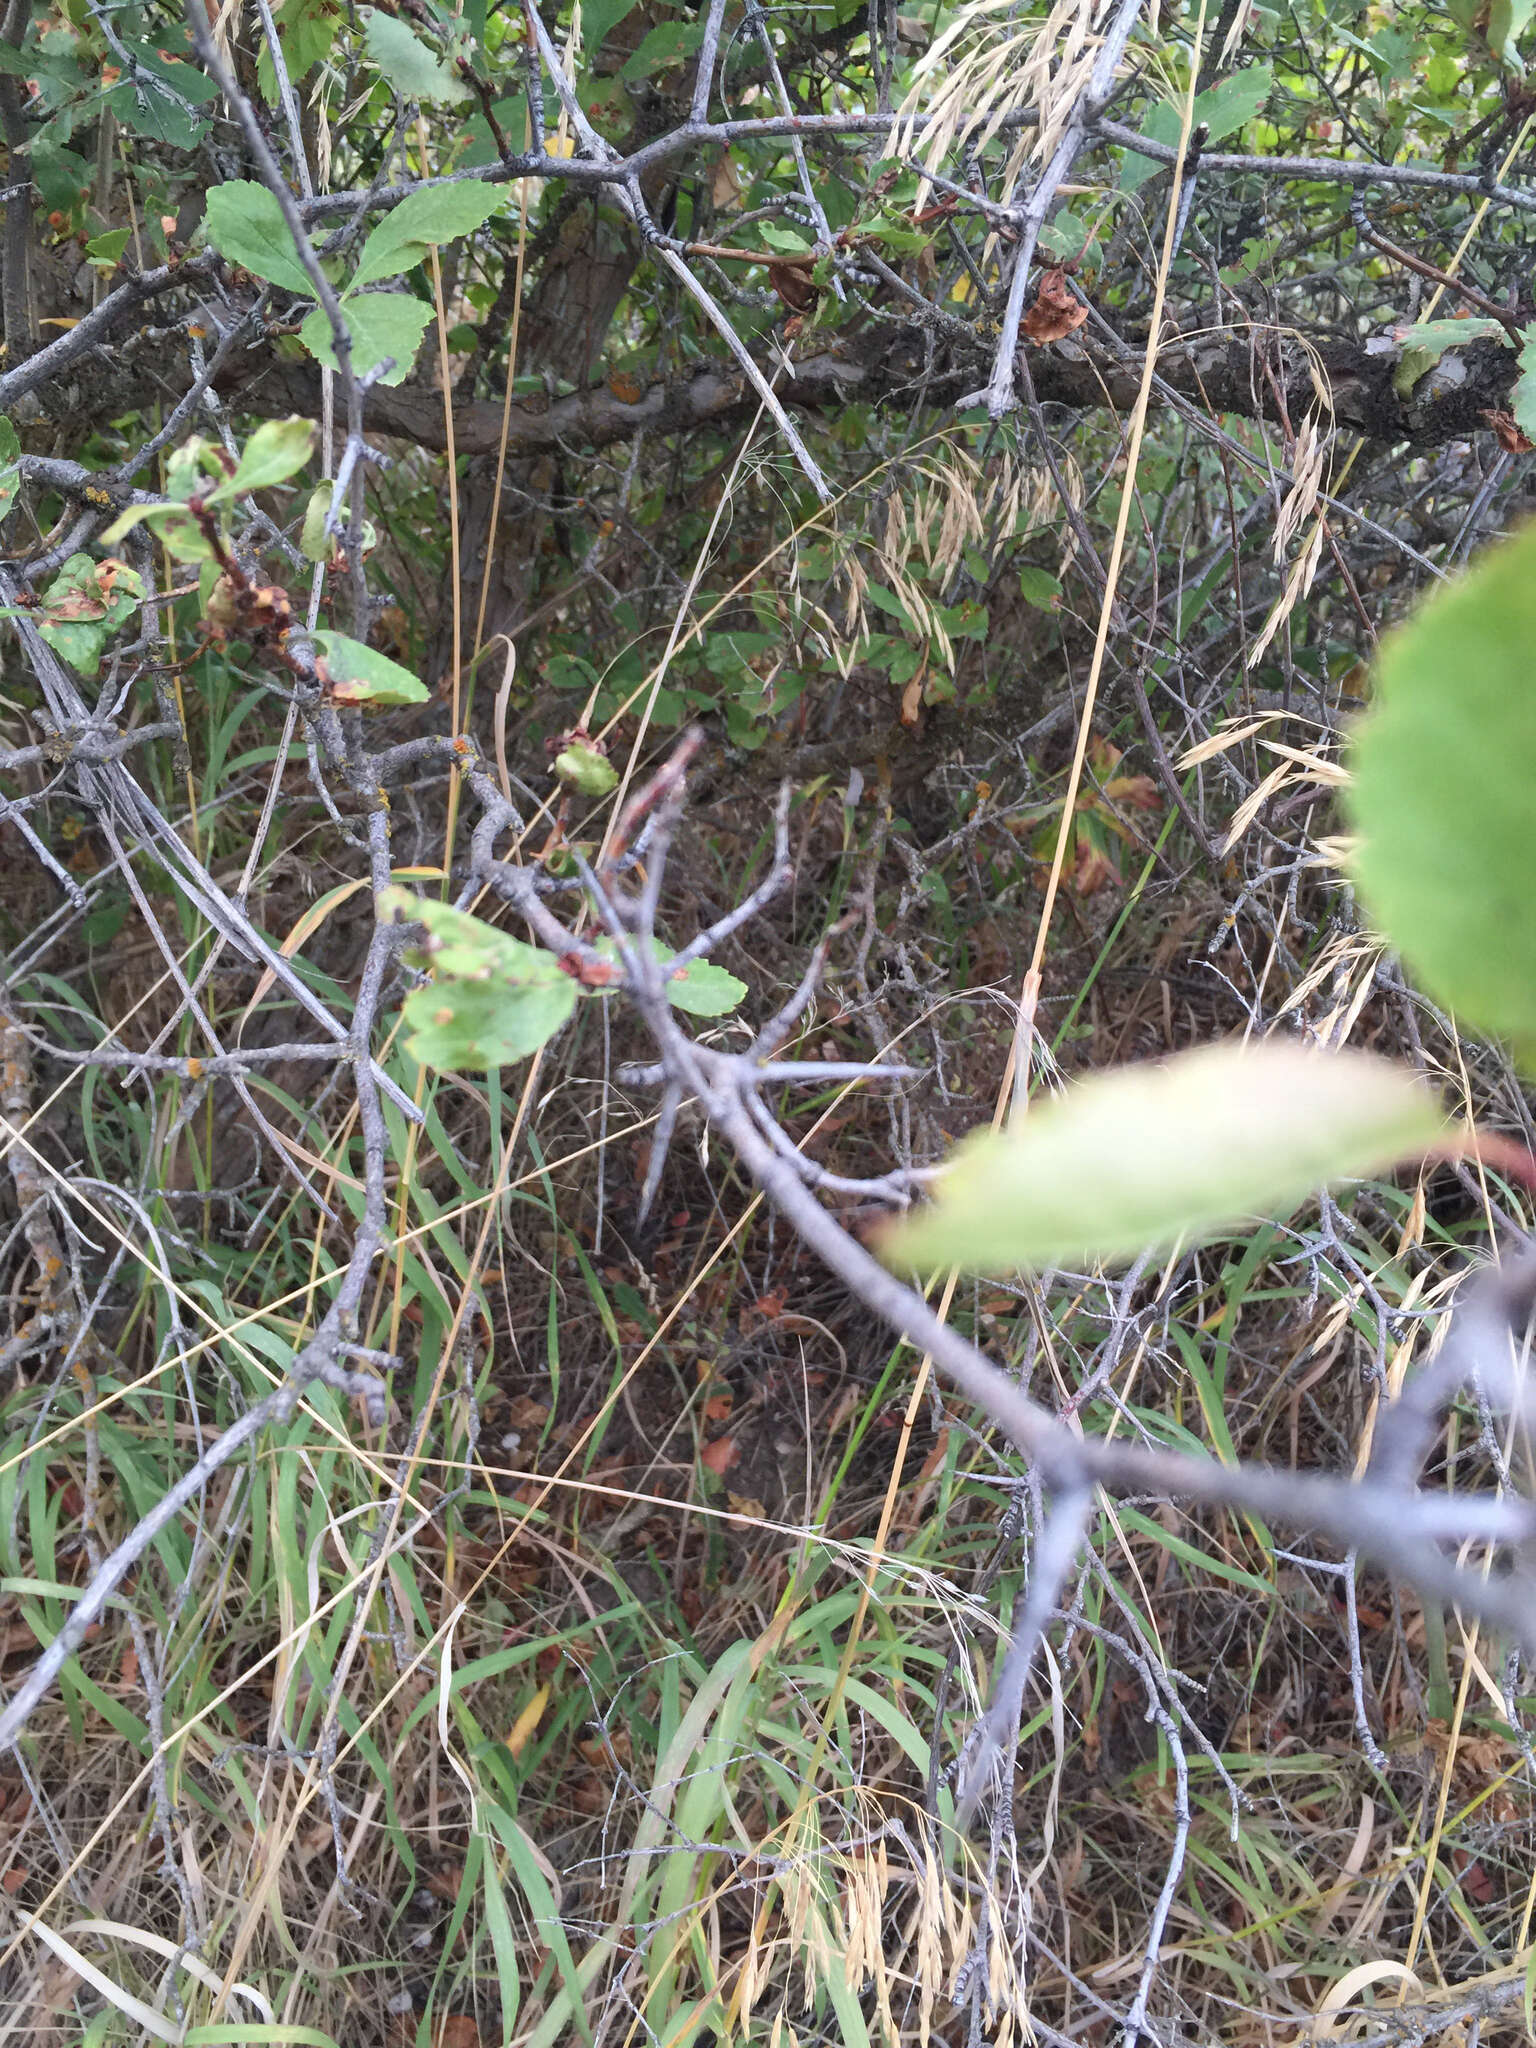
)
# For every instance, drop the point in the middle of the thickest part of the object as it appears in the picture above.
(703, 989)
(189, 468)
(1067, 237)
(494, 1000)
(245, 224)
(895, 234)
(1142, 1156)
(1522, 400)
(585, 770)
(108, 248)
(160, 95)
(1163, 124)
(1192, 1554)
(356, 674)
(1039, 588)
(700, 988)
(10, 465)
(1507, 21)
(437, 214)
(285, 2034)
(662, 47)
(785, 239)
(409, 67)
(599, 18)
(306, 30)
(179, 533)
(381, 324)
(86, 603)
(315, 544)
(1233, 102)
(64, 180)
(271, 456)
(1425, 343)
(1444, 767)
(1224, 108)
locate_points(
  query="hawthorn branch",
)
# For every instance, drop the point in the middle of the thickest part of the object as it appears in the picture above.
(1397, 1525)
(1032, 218)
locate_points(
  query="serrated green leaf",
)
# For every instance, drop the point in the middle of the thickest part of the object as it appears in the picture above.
(1425, 343)
(1067, 237)
(425, 220)
(383, 325)
(472, 1027)
(899, 236)
(356, 674)
(585, 770)
(108, 248)
(1233, 102)
(1223, 108)
(245, 224)
(410, 68)
(494, 999)
(1443, 770)
(1137, 1158)
(458, 945)
(1039, 588)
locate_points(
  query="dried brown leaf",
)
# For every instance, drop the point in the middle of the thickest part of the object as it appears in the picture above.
(1056, 312)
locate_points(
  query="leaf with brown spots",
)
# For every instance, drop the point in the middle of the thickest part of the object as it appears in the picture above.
(1133, 792)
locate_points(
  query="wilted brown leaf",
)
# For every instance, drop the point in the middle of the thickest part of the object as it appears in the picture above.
(793, 285)
(1056, 312)
(1511, 436)
(725, 186)
(720, 1456)
(1092, 870)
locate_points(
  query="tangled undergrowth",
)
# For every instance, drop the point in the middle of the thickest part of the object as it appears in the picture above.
(613, 1675)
